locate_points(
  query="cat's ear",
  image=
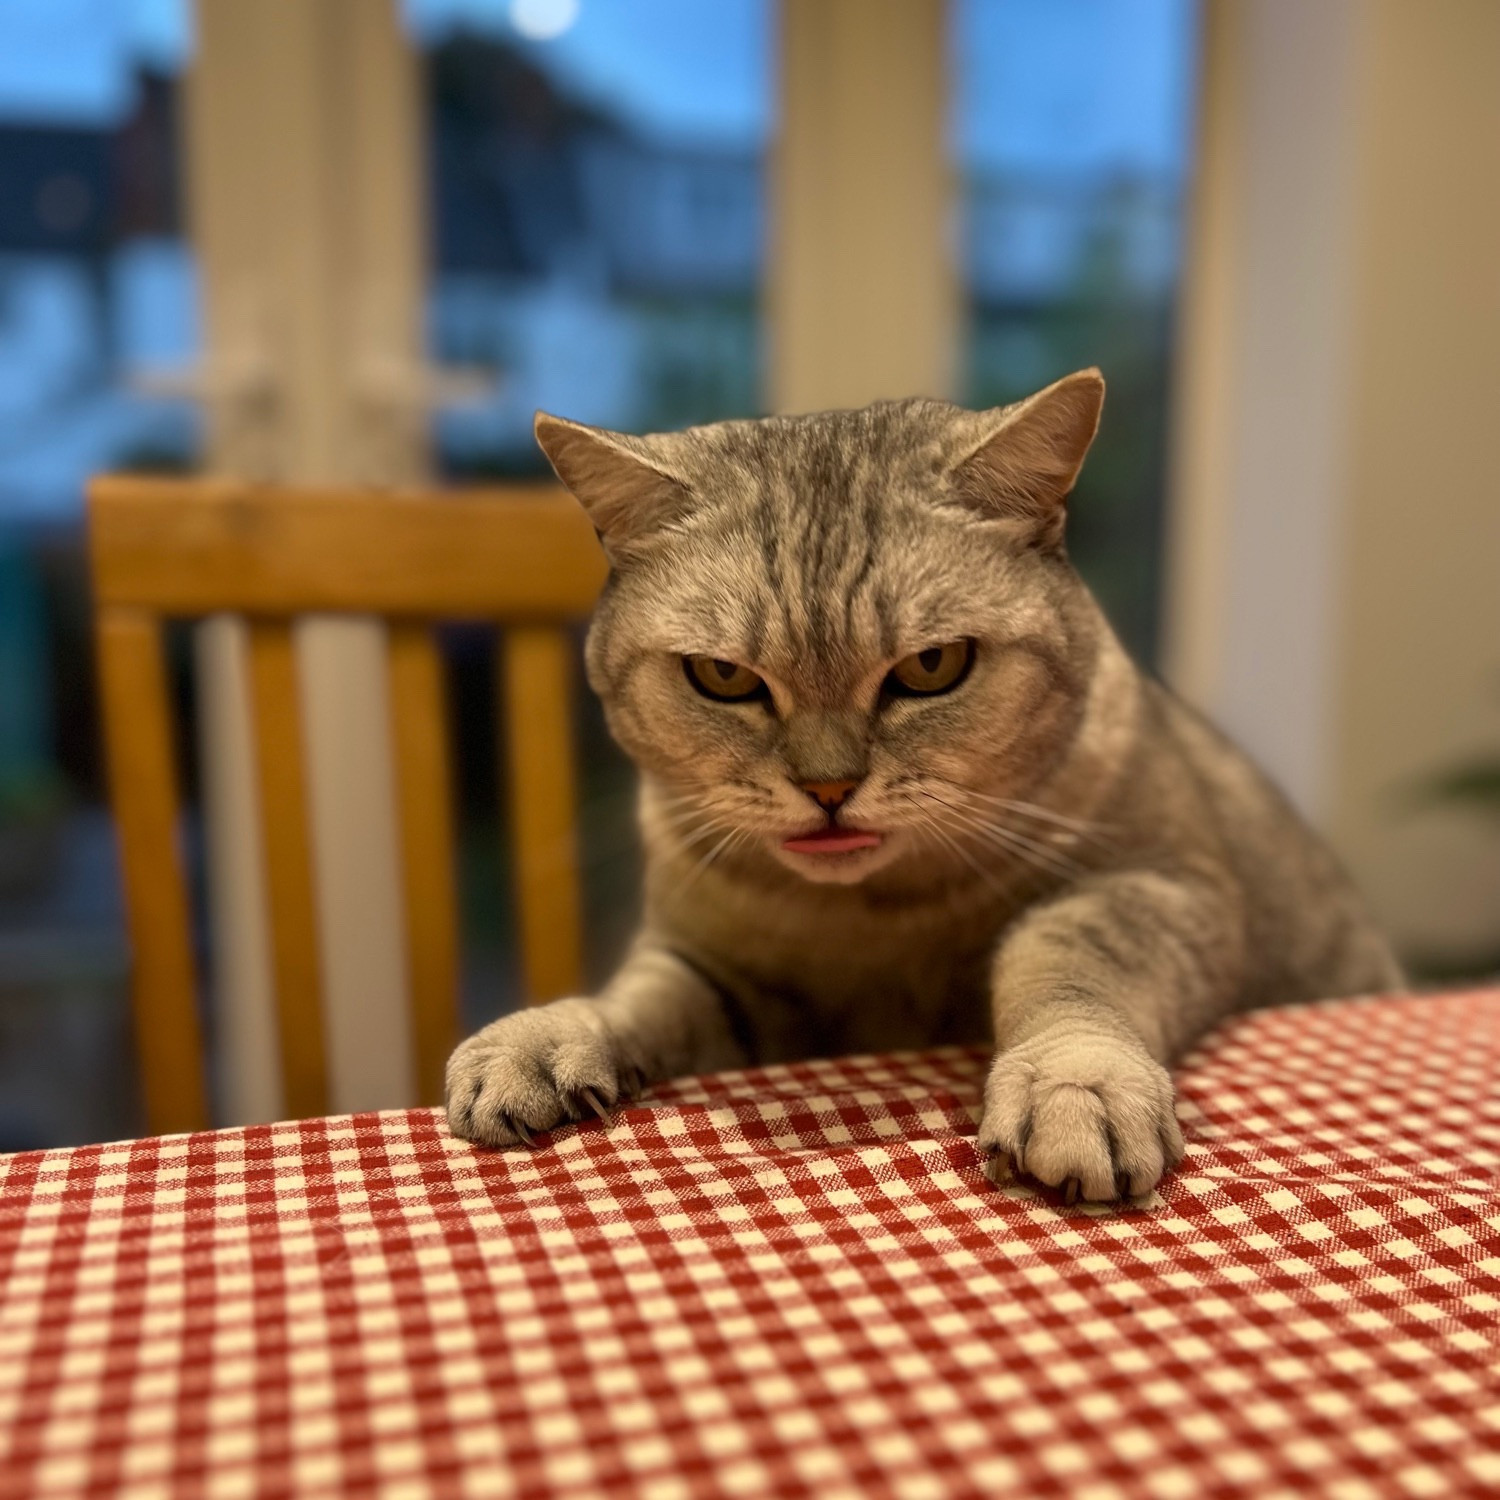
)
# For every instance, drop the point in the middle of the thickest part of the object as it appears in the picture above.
(625, 483)
(1023, 460)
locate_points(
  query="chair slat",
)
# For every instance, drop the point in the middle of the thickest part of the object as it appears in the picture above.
(537, 682)
(282, 781)
(188, 547)
(419, 729)
(143, 778)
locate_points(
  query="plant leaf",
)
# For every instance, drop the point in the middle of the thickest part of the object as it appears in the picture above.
(1476, 784)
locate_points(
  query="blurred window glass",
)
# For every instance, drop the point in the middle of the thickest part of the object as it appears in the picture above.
(597, 197)
(96, 288)
(1071, 124)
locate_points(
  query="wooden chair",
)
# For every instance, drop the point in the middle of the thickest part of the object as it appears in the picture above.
(523, 558)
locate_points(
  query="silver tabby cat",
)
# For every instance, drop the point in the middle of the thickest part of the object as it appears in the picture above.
(901, 785)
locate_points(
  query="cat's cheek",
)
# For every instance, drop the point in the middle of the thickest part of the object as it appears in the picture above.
(669, 730)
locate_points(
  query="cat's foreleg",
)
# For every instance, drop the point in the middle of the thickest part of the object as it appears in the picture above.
(541, 1067)
(1092, 995)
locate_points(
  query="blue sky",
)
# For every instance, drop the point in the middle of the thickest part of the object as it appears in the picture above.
(1070, 85)
(71, 60)
(1073, 84)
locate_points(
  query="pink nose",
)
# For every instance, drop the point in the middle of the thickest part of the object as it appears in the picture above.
(829, 795)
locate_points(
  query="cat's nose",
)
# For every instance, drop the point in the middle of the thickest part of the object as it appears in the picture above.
(829, 795)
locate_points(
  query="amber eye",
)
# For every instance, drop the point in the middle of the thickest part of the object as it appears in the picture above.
(935, 670)
(726, 680)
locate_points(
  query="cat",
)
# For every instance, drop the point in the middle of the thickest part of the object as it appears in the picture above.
(901, 785)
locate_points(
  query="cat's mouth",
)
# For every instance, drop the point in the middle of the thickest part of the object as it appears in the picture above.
(833, 840)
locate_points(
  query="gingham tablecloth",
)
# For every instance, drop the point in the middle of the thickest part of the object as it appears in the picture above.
(787, 1282)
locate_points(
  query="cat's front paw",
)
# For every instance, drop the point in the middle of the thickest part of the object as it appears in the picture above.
(536, 1069)
(1088, 1113)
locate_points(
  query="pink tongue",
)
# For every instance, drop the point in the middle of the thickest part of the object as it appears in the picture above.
(832, 841)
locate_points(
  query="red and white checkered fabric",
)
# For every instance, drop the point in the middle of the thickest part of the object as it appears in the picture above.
(789, 1282)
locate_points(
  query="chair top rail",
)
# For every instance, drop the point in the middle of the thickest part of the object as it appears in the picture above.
(194, 547)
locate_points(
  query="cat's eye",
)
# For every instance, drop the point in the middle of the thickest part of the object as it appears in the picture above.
(938, 669)
(725, 680)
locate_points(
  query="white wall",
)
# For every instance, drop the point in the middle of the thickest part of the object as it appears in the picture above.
(1333, 595)
(1419, 625)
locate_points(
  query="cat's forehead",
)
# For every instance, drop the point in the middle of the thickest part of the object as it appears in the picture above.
(838, 506)
(823, 594)
(873, 450)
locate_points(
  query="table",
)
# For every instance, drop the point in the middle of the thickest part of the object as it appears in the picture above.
(787, 1282)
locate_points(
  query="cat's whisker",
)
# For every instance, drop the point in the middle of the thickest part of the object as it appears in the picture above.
(678, 796)
(698, 835)
(1050, 815)
(952, 843)
(691, 819)
(1043, 856)
(1040, 855)
(935, 827)
(1081, 827)
(1046, 855)
(681, 810)
(1029, 839)
(734, 836)
(686, 810)
(684, 830)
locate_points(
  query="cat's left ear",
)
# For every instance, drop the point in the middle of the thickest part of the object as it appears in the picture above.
(1019, 463)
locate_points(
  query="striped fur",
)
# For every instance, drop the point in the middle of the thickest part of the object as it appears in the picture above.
(1074, 863)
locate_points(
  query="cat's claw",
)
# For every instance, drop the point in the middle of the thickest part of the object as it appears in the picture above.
(534, 1070)
(596, 1104)
(1000, 1168)
(1081, 1113)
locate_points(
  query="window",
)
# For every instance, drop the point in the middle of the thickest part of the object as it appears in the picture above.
(96, 292)
(597, 192)
(1071, 126)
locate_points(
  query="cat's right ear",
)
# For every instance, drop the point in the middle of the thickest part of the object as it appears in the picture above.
(624, 484)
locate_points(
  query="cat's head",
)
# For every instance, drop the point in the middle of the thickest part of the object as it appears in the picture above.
(846, 639)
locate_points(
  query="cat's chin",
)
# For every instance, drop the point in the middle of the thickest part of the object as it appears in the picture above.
(846, 868)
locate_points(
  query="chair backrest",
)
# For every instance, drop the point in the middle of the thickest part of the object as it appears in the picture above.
(522, 558)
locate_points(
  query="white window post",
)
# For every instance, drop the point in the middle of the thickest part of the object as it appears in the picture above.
(304, 148)
(863, 296)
